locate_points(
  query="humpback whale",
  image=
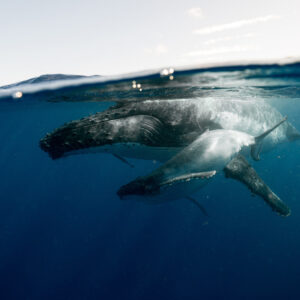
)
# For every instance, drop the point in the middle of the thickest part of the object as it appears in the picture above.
(158, 129)
(166, 130)
(213, 152)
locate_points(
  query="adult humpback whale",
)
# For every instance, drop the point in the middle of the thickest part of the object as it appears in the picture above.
(157, 129)
(213, 152)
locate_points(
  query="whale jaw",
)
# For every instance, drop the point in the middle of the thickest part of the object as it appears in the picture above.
(139, 187)
(157, 189)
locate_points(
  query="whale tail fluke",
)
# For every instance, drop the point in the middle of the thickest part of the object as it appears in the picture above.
(256, 148)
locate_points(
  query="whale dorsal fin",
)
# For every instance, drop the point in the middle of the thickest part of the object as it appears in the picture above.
(256, 148)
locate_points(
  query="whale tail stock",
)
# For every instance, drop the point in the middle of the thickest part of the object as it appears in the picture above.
(239, 169)
(256, 148)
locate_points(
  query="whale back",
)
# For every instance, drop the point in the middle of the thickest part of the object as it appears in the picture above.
(251, 116)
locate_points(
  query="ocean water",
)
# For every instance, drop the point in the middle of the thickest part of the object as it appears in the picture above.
(65, 234)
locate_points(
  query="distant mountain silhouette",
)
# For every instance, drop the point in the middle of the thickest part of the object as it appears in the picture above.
(45, 78)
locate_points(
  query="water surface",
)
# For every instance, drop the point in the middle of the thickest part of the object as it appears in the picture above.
(64, 233)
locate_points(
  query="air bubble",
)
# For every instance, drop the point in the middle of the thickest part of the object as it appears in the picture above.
(17, 95)
(167, 72)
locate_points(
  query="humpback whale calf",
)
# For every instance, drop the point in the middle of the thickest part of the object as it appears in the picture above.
(158, 129)
(213, 152)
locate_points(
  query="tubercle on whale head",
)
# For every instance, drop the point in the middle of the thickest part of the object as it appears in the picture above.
(64, 140)
(54, 150)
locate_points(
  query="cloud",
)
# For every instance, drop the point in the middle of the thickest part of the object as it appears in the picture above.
(214, 51)
(228, 38)
(158, 49)
(195, 12)
(234, 25)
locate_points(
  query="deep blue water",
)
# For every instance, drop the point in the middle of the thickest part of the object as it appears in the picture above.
(64, 233)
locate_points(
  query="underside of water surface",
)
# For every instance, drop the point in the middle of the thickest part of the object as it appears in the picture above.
(66, 234)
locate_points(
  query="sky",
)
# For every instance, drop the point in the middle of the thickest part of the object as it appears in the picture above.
(120, 36)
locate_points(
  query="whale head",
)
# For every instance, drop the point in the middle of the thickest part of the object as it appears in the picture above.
(142, 186)
(156, 189)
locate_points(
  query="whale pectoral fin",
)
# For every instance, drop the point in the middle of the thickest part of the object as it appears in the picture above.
(239, 168)
(122, 159)
(199, 205)
(189, 177)
(256, 148)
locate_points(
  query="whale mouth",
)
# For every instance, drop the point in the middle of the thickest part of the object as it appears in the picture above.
(153, 186)
(139, 187)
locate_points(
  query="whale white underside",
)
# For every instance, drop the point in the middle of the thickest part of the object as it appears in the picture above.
(131, 150)
(143, 152)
